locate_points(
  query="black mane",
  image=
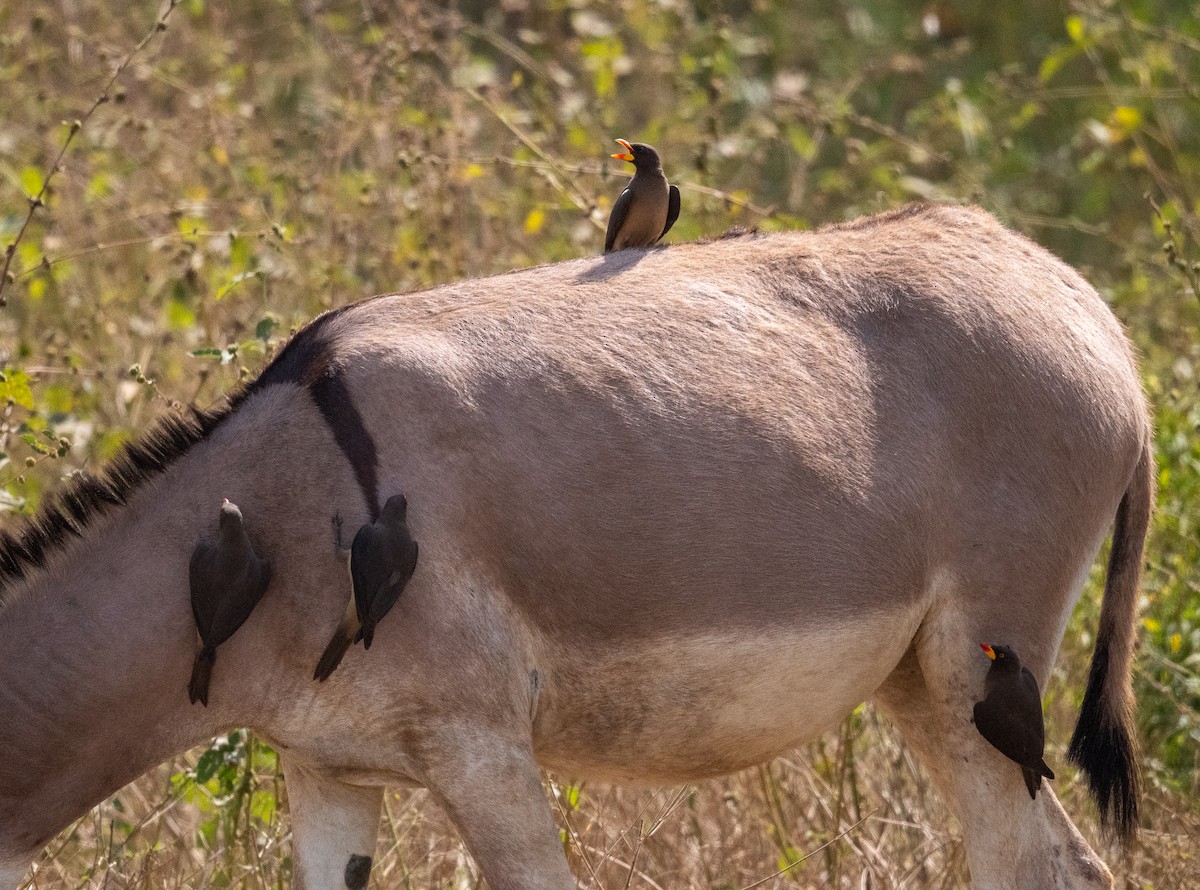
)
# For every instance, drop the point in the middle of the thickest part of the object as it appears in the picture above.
(85, 496)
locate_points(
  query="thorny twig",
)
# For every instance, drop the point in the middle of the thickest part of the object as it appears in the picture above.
(809, 854)
(76, 125)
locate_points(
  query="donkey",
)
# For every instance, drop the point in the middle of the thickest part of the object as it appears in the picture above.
(656, 493)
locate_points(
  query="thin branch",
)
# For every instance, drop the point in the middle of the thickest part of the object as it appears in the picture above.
(553, 170)
(809, 854)
(598, 170)
(100, 246)
(76, 125)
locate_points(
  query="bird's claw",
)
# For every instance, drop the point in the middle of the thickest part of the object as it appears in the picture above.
(337, 532)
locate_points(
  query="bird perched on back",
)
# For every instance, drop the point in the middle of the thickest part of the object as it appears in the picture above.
(383, 558)
(1010, 715)
(648, 207)
(227, 579)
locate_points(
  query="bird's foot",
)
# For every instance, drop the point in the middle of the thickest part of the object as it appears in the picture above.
(338, 548)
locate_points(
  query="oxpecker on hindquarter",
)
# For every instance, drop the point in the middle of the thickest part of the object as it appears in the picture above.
(1010, 715)
(383, 558)
(227, 579)
(648, 207)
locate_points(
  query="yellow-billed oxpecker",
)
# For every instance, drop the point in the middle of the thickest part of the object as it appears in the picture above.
(1010, 715)
(382, 559)
(648, 207)
(227, 579)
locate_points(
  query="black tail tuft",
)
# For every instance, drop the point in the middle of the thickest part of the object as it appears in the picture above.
(201, 675)
(332, 655)
(1104, 745)
(1103, 749)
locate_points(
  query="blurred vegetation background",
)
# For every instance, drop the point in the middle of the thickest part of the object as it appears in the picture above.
(259, 162)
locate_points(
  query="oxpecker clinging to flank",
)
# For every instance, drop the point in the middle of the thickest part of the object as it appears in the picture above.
(227, 579)
(1010, 715)
(648, 207)
(382, 559)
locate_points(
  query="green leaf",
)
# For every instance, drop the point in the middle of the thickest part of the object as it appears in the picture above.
(262, 806)
(263, 329)
(1075, 28)
(31, 180)
(31, 440)
(99, 186)
(59, 399)
(234, 282)
(240, 253)
(208, 764)
(534, 221)
(15, 387)
(1053, 62)
(1124, 120)
(179, 315)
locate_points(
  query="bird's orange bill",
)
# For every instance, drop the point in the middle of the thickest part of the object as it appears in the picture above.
(626, 155)
(991, 653)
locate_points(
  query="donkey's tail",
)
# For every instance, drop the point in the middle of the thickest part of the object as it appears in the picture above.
(1104, 745)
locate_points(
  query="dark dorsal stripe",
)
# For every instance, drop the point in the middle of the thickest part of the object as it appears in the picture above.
(333, 399)
(306, 361)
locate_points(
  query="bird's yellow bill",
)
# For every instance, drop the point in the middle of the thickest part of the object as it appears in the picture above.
(627, 154)
(991, 653)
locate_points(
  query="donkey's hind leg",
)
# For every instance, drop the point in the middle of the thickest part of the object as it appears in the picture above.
(1010, 840)
(491, 788)
(334, 827)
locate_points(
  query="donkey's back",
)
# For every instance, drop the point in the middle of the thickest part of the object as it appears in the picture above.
(701, 482)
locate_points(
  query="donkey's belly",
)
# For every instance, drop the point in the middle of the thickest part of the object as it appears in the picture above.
(682, 708)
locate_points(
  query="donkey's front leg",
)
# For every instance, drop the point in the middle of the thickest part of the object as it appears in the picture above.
(334, 826)
(491, 788)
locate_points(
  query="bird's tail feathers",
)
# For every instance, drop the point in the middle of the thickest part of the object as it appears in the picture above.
(201, 675)
(366, 633)
(342, 640)
(1033, 781)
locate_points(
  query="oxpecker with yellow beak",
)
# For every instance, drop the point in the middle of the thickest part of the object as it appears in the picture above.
(1010, 715)
(648, 207)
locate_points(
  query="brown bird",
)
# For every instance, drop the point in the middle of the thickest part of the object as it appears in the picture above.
(1010, 715)
(227, 579)
(382, 558)
(648, 207)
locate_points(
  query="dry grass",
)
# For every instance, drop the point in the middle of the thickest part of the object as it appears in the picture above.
(854, 811)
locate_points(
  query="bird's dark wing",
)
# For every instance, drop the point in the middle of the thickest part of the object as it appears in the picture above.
(672, 209)
(1006, 719)
(369, 566)
(1031, 700)
(247, 590)
(242, 578)
(1030, 683)
(205, 593)
(616, 219)
(404, 566)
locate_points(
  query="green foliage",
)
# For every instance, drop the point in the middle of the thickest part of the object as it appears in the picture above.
(263, 161)
(235, 785)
